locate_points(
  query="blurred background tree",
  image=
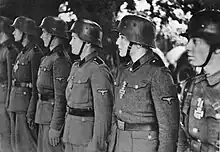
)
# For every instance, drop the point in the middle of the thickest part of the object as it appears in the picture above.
(170, 16)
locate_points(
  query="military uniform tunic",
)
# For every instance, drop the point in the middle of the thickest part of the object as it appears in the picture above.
(200, 130)
(51, 106)
(24, 75)
(8, 53)
(90, 86)
(146, 108)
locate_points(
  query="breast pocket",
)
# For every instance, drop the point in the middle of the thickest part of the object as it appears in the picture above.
(45, 79)
(138, 90)
(80, 90)
(23, 71)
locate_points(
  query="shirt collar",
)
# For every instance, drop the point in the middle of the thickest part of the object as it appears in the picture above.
(214, 78)
(28, 47)
(87, 58)
(57, 48)
(145, 58)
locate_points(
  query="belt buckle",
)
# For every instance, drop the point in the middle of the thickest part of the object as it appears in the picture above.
(121, 124)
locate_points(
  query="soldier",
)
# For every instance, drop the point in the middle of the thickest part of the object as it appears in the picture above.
(8, 53)
(89, 92)
(51, 84)
(200, 108)
(24, 89)
(146, 109)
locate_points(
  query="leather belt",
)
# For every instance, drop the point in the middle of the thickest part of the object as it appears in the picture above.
(89, 112)
(136, 127)
(44, 97)
(21, 84)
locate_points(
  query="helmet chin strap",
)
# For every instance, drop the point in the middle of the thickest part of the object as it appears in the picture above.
(51, 39)
(82, 47)
(212, 49)
(129, 48)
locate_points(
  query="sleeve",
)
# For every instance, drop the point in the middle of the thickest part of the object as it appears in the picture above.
(102, 90)
(11, 57)
(61, 70)
(35, 63)
(164, 94)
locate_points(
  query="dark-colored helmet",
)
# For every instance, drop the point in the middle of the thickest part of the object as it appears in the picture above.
(55, 26)
(138, 30)
(26, 25)
(5, 25)
(88, 31)
(206, 25)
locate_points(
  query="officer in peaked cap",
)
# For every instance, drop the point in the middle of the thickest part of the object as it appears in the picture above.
(51, 84)
(24, 90)
(146, 113)
(89, 92)
(200, 98)
(8, 53)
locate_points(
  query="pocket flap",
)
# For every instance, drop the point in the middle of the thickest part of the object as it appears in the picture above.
(138, 85)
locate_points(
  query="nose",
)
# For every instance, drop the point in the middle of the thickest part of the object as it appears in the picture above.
(42, 36)
(189, 45)
(118, 41)
(71, 41)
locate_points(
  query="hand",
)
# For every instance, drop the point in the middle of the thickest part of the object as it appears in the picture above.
(54, 137)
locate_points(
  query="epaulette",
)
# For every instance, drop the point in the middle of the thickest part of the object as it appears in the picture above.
(157, 62)
(98, 60)
(36, 48)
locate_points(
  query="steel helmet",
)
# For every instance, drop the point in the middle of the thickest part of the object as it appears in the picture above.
(5, 25)
(88, 31)
(26, 25)
(205, 24)
(138, 30)
(55, 26)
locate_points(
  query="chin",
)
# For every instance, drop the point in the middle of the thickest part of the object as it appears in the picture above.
(122, 55)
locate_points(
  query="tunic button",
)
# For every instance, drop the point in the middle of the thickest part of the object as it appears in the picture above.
(45, 69)
(195, 130)
(130, 69)
(136, 86)
(120, 111)
(149, 137)
(25, 93)
(22, 63)
(115, 83)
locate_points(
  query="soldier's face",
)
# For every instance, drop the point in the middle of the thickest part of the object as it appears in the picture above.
(198, 50)
(17, 34)
(123, 44)
(76, 44)
(45, 36)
